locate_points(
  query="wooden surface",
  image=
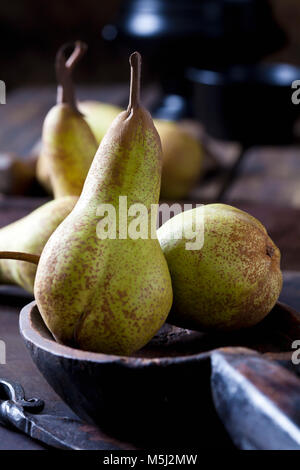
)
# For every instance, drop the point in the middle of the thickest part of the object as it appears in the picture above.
(270, 175)
(20, 368)
(21, 118)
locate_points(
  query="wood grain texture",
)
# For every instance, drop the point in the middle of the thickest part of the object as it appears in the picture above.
(88, 382)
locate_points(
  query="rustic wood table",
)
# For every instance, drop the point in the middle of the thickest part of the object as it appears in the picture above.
(267, 189)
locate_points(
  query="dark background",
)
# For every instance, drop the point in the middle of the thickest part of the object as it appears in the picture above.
(32, 30)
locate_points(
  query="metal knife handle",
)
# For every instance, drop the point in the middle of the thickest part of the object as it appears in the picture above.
(13, 405)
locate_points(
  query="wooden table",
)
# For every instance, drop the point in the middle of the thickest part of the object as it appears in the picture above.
(269, 175)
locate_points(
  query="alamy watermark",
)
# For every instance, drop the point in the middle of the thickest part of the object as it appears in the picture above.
(2, 92)
(296, 93)
(139, 222)
(296, 354)
(2, 352)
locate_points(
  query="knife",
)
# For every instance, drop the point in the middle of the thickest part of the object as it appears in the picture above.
(60, 432)
(257, 400)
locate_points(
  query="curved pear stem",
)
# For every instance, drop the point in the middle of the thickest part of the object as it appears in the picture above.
(17, 255)
(64, 69)
(135, 61)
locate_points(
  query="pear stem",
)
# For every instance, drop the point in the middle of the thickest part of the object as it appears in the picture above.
(64, 69)
(17, 255)
(135, 61)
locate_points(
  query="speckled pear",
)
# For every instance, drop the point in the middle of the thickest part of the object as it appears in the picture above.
(68, 144)
(233, 281)
(109, 295)
(30, 235)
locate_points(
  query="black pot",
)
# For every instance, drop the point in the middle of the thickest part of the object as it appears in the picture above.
(250, 104)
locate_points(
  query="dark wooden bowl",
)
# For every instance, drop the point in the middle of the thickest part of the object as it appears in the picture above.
(156, 395)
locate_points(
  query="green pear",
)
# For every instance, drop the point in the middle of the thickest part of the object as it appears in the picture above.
(68, 144)
(43, 174)
(99, 116)
(102, 293)
(182, 152)
(182, 159)
(30, 235)
(232, 281)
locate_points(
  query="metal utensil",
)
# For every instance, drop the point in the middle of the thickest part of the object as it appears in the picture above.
(61, 432)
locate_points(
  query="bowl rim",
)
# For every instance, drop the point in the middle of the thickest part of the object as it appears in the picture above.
(31, 335)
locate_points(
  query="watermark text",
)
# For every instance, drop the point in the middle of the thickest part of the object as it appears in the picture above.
(2, 352)
(2, 92)
(136, 221)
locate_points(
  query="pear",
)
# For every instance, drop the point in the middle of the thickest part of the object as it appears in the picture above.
(232, 281)
(182, 159)
(30, 235)
(68, 144)
(102, 293)
(99, 116)
(16, 175)
(182, 151)
(43, 174)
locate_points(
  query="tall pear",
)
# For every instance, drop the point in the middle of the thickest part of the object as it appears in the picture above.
(68, 144)
(110, 291)
(182, 151)
(30, 235)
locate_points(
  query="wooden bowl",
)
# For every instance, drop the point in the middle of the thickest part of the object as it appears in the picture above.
(157, 394)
